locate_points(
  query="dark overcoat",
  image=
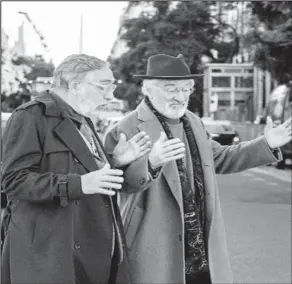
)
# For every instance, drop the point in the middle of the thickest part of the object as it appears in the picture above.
(46, 241)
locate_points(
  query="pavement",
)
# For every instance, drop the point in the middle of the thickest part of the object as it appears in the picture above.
(256, 206)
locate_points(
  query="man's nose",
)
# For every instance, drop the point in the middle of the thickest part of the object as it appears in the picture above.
(109, 96)
(180, 97)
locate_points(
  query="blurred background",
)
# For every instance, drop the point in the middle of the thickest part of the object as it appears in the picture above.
(242, 47)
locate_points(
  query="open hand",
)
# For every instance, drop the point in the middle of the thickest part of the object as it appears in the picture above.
(165, 150)
(102, 181)
(128, 151)
(280, 135)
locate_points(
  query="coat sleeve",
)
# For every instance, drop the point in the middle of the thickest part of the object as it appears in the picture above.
(22, 153)
(245, 155)
(136, 175)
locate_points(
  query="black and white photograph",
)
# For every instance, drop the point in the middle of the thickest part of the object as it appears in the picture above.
(146, 142)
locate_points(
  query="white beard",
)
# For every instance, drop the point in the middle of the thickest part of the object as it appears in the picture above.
(174, 111)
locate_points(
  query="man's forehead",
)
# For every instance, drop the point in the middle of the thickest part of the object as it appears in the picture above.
(104, 76)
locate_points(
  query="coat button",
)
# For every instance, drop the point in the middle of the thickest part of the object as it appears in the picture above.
(142, 181)
(77, 246)
(180, 237)
(77, 202)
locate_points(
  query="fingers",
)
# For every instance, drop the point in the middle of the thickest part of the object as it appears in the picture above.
(106, 167)
(145, 147)
(175, 152)
(142, 153)
(176, 157)
(106, 191)
(174, 147)
(171, 142)
(113, 185)
(113, 172)
(287, 123)
(123, 138)
(286, 140)
(144, 140)
(162, 137)
(109, 178)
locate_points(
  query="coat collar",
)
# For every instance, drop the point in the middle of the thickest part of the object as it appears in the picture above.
(56, 106)
(48, 99)
(145, 113)
(67, 131)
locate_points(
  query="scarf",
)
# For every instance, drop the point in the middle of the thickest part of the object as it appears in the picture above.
(193, 200)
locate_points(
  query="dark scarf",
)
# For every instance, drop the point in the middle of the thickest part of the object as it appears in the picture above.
(193, 202)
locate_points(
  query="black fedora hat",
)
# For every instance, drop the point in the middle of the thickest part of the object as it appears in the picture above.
(162, 66)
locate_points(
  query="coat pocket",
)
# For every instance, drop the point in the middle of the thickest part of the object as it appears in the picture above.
(133, 227)
(45, 224)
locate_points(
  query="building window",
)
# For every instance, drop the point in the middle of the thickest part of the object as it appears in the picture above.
(216, 70)
(221, 82)
(232, 70)
(224, 103)
(223, 98)
(244, 82)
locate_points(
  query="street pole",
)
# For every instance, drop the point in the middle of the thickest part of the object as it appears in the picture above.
(81, 35)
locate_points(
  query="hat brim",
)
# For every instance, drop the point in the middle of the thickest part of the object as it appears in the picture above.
(191, 76)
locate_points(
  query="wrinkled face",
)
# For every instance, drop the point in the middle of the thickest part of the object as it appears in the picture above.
(170, 97)
(94, 91)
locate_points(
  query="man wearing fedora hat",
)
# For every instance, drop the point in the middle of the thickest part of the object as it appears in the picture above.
(170, 204)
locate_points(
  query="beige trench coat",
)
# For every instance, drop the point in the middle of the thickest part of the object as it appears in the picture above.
(152, 210)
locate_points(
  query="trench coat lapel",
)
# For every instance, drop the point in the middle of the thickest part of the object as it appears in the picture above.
(68, 133)
(151, 125)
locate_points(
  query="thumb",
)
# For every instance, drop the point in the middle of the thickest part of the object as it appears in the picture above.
(162, 137)
(106, 166)
(122, 139)
(269, 123)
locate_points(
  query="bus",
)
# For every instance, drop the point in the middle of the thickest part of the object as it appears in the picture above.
(279, 108)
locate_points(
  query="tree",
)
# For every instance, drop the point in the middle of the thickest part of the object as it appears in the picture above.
(12, 75)
(271, 38)
(38, 67)
(17, 75)
(187, 29)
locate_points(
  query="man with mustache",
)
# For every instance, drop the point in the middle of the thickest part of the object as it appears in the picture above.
(170, 204)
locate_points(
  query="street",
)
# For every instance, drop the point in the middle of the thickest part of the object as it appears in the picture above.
(256, 207)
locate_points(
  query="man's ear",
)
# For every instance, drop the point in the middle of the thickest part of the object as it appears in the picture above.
(146, 90)
(74, 85)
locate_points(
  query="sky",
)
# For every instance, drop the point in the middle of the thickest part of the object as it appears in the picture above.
(59, 22)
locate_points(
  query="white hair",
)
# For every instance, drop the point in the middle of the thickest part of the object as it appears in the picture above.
(75, 67)
(147, 83)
